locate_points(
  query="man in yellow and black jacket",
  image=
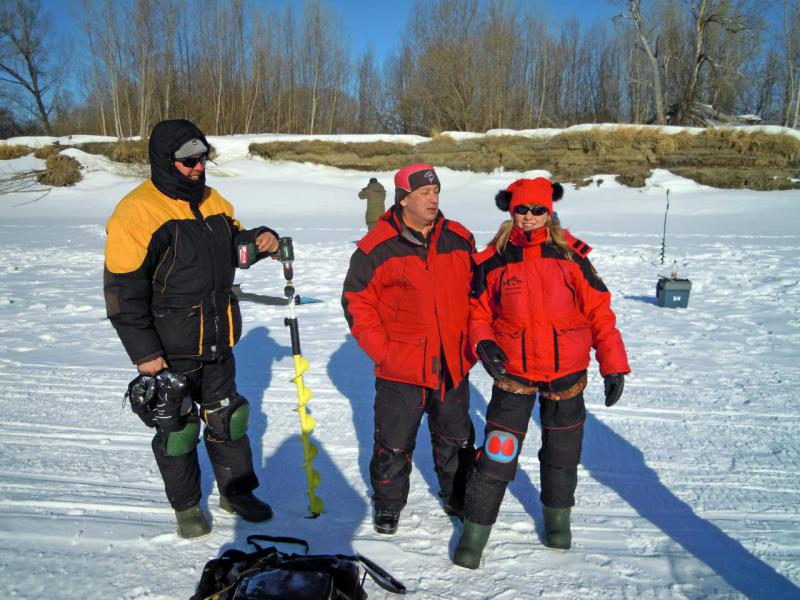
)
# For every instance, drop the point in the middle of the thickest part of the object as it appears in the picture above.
(170, 261)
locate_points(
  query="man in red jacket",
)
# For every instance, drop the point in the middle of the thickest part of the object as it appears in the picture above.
(406, 300)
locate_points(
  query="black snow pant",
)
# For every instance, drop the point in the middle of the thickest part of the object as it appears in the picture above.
(398, 413)
(232, 461)
(507, 420)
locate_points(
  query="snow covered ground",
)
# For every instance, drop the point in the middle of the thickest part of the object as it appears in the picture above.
(689, 487)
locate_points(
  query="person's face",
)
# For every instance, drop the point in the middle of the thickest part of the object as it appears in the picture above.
(530, 221)
(195, 171)
(422, 205)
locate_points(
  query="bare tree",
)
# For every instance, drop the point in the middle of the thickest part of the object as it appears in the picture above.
(32, 72)
(706, 14)
(643, 42)
(791, 31)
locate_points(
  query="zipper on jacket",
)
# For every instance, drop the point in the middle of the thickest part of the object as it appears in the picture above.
(524, 359)
(424, 355)
(207, 236)
(461, 352)
(555, 349)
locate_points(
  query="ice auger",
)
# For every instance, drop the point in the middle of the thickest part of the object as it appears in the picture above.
(307, 422)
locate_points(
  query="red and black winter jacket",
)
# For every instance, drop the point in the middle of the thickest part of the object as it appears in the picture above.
(407, 302)
(544, 310)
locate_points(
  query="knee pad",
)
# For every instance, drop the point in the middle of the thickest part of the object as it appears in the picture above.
(227, 418)
(500, 454)
(182, 441)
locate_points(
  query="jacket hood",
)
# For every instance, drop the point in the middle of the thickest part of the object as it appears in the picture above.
(165, 139)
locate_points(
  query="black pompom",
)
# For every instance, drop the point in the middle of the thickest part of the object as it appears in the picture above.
(558, 192)
(503, 200)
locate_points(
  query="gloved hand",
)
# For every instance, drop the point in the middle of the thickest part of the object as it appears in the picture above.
(172, 400)
(493, 358)
(142, 396)
(613, 384)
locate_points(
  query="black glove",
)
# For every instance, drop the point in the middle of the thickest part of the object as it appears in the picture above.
(613, 387)
(173, 400)
(493, 358)
(142, 396)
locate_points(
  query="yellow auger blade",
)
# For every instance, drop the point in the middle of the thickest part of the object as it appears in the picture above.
(315, 479)
(315, 505)
(304, 395)
(307, 425)
(310, 453)
(301, 365)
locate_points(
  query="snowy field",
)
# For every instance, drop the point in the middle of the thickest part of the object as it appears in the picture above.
(689, 487)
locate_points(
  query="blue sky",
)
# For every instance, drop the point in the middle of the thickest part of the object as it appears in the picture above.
(381, 22)
(377, 23)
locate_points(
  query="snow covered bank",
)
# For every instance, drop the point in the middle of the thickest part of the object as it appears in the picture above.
(689, 487)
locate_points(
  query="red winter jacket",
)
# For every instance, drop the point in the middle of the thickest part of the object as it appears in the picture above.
(544, 310)
(407, 301)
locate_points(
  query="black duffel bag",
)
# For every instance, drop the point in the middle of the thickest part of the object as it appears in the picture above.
(269, 574)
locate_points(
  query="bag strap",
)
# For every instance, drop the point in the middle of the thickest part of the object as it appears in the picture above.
(252, 539)
(379, 575)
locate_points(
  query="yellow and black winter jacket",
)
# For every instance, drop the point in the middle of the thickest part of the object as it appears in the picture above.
(169, 268)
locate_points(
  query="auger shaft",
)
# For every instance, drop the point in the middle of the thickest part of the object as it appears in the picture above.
(307, 422)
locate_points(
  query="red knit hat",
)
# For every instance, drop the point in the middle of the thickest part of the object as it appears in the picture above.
(539, 191)
(409, 178)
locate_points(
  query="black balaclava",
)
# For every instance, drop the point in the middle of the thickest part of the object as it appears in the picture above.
(165, 139)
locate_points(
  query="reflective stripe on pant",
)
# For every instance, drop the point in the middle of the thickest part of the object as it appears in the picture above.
(398, 412)
(232, 462)
(507, 420)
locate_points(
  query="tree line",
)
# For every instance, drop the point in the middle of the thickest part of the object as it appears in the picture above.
(234, 66)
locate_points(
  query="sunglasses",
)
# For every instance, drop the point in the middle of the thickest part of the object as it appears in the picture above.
(190, 162)
(524, 209)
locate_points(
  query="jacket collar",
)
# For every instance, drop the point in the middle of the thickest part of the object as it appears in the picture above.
(522, 239)
(395, 217)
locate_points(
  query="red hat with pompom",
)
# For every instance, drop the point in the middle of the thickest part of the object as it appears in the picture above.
(540, 191)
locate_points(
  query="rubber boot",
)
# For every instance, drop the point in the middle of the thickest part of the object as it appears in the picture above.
(557, 534)
(192, 522)
(470, 546)
(246, 506)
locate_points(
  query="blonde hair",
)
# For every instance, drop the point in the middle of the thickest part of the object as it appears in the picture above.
(555, 234)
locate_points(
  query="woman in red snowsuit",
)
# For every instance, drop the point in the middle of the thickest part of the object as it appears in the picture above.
(537, 309)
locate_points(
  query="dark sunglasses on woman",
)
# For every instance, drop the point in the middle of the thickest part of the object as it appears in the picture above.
(536, 210)
(190, 162)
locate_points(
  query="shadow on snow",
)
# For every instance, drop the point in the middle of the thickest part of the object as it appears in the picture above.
(608, 457)
(282, 480)
(619, 465)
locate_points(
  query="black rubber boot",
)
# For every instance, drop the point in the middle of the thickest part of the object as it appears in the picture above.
(192, 522)
(470, 546)
(246, 506)
(557, 534)
(385, 520)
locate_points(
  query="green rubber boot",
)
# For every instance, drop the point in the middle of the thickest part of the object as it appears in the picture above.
(557, 534)
(470, 546)
(192, 522)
